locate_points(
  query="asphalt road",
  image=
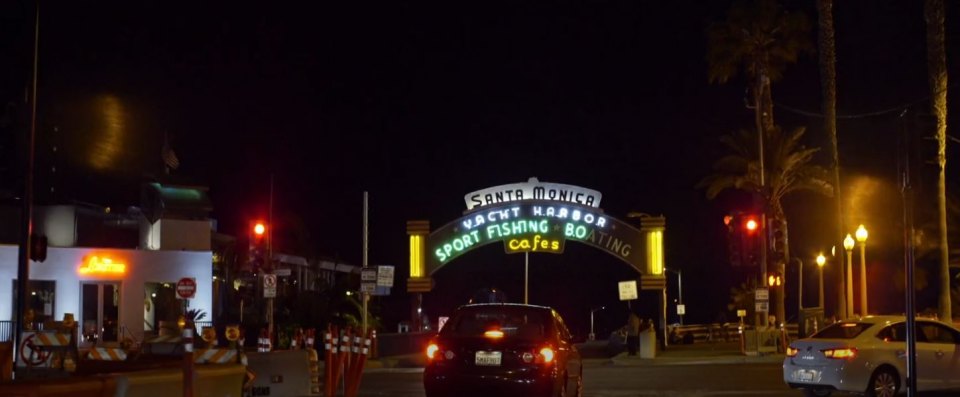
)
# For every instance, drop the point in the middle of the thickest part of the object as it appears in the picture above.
(604, 380)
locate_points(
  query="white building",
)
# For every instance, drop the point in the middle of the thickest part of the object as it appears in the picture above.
(110, 292)
(116, 271)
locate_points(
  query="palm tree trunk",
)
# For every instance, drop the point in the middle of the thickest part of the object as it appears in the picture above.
(782, 257)
(933, 11)
(828, 88)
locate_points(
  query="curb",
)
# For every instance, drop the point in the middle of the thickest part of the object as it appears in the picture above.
(773, 359)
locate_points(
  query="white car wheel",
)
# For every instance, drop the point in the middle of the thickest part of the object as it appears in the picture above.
(884, 383)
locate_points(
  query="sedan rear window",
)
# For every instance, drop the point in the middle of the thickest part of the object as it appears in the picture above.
(512, 321)
(842, 331)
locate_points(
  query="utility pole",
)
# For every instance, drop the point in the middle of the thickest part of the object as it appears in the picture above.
(363, 295)
(26, 213)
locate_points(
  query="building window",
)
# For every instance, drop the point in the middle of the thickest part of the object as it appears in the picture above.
(40, 300)
(161, 308)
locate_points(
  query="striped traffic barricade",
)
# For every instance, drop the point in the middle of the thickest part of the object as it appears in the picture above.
(107, 354)
(215, 356)
(50, 339)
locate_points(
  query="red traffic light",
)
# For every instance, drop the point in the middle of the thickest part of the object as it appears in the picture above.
(259, 229)
(751, 225)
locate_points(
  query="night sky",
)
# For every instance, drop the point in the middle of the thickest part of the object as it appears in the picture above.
(420, 104)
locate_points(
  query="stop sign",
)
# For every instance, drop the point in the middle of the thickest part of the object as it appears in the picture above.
(186, 288)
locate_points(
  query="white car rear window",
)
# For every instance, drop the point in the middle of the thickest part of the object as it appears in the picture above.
(842, 331)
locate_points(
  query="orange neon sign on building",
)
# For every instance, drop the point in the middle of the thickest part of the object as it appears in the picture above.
(98, 265)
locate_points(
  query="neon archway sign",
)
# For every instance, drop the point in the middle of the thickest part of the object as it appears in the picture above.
(533, 217)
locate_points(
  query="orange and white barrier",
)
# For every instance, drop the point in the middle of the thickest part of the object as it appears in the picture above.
(47, 338)
(215, 356)
(107, 354)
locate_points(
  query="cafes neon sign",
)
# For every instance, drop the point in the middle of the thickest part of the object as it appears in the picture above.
(101, 265)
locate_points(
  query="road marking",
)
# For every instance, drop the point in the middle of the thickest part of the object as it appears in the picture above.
(394, 370)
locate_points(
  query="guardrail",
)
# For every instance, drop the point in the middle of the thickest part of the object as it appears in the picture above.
(6, 331)
(707, 333)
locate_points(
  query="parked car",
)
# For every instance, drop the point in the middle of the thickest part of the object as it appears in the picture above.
(868, 355)
(503, 349)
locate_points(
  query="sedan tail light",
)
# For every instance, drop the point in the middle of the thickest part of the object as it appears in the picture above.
(435, 352)
(792, 352)
(432, 350)
(848, 353)
(545, 355)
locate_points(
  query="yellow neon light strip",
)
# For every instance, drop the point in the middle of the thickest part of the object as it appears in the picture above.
(416, 256)
(655, 251)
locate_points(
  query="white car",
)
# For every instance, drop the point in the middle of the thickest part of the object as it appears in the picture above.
(868, 355)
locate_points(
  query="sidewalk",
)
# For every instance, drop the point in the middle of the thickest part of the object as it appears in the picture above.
(698, 353)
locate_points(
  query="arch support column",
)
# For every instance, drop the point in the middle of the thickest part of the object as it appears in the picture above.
(653, 228)
(419, 281)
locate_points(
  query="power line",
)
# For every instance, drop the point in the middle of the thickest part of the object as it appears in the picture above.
(898, 108)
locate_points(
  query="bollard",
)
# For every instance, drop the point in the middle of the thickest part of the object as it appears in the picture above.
(331, 347)
(357, 373)
(783, 338)
(260, 343)
(188, 359)
(269, 341)
(314, 371)
(339, 370)
(743, 342)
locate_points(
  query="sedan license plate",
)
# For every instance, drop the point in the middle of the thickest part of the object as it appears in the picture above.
(488, 358)
(805, 376)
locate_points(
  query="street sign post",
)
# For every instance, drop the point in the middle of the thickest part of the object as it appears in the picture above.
(628, 290)
(186, 288)
(384, 276)
(761, 294)
(762, 298)
(368, 287)
(269, 285)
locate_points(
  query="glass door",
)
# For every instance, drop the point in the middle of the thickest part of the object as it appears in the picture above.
(100, 312)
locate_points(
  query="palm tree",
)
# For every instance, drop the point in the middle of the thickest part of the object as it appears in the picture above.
(828, 89)
(762, 39)
(789, 170)
(933, 12)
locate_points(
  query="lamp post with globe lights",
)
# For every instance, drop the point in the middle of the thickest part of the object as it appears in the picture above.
(861, 234)
(848, 245)
(821, 260)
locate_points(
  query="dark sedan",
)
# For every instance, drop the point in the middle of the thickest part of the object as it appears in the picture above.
(503, 349)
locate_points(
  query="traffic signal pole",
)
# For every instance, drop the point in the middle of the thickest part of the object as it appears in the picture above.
(269, 260)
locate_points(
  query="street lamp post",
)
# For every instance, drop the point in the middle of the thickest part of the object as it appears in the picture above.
(592, 335)
(679, 289)
(848, 245)
(799, 287)
(821, 260)
(862, 239)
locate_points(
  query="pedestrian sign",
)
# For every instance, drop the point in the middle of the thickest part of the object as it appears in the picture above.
(269, 285)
